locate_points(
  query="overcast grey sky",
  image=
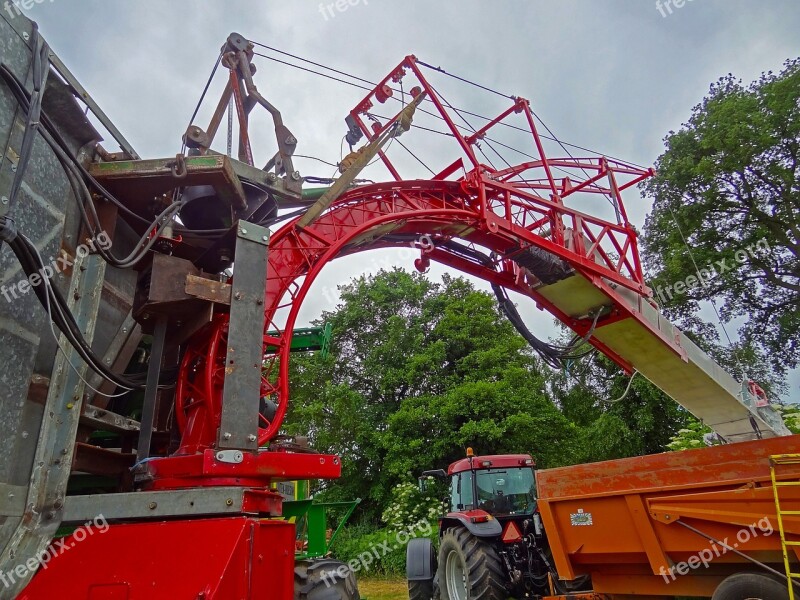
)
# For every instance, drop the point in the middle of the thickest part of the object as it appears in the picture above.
(614, 76)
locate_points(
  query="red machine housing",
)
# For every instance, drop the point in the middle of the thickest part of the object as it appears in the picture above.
(238, 558)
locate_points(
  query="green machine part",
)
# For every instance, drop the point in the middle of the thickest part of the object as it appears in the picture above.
(309, 339)
(311, 518)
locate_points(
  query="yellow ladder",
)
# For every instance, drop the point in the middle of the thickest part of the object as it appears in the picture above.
(776, 461)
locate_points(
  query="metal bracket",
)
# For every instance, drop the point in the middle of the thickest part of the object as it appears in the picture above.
(230, 456)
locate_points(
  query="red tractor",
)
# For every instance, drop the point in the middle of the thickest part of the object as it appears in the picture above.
(490, 541)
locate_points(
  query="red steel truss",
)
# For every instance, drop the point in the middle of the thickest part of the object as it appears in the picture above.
(504, 211)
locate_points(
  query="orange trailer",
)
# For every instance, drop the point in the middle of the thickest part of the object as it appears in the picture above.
(674, 524)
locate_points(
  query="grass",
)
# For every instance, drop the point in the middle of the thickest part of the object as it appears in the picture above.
(383, 589)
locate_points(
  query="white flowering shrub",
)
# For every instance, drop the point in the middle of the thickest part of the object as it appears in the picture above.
(692, 436)
(409, 505)
(696, 435)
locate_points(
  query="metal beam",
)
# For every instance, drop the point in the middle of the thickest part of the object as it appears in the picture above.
(56, 442)
(191, 502)
(240, 395)
(151, 389)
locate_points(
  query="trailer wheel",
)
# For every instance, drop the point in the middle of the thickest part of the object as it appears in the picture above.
(318, 580)
(469, 568)
(751, 586)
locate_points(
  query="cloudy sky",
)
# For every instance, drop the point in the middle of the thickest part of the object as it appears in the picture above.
(611, 75)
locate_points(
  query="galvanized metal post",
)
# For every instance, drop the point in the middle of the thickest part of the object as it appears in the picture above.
(56, 442)
(240, 395)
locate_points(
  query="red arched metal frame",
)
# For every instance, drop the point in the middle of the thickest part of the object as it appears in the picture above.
(504, 211)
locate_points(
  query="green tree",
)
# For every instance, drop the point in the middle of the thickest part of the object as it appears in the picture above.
(417, 372)
(726, 187)
(617, 417)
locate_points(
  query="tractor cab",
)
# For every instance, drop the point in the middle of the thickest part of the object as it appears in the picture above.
(500, 485)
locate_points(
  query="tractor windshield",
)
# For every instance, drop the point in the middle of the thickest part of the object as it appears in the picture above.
(510, 491)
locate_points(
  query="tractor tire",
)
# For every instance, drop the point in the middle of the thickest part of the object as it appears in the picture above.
(751, 586)
(469, 568)
(318, 580)
(420, 590)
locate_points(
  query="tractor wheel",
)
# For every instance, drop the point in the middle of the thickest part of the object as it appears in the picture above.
(318, 580)
(469, 568)
(751, 586)
(420, 590)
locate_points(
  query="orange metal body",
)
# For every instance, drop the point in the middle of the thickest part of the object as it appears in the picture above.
(622, 521)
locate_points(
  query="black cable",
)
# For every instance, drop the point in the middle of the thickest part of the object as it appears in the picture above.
(283, 62)
(419, 160)
(464, 111)
(22, 96)
(325, 162)
(478, 85)
(27, 255)
(40, 67)
(202, 97)
(311, 62)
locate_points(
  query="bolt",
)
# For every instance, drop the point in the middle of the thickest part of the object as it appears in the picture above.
(152, 505)
(229, 502)
(296, 175)
(70, 405)
(291, 140)
(26, 36)
(124, 330)
(243, 231)
(264, 238)
(272, 177)
(252, 437)
(13, 168)
(107, 361)
(226, 435)
(4, 199)
(237, 296)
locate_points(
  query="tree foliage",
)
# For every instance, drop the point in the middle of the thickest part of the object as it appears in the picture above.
(727, 187)
(419, 371)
